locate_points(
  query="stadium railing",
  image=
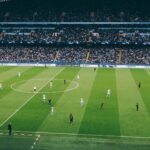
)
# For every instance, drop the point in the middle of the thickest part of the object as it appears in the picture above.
(100, 24)
(75, 65)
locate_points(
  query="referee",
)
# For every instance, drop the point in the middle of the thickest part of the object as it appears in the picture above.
(9, 129)
(71, 118)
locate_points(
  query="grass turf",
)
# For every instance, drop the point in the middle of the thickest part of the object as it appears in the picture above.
(118, 117)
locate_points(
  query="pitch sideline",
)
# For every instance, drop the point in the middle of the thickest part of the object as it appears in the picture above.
(78, 134)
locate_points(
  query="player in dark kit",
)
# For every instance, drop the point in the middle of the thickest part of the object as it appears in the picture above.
(137, 107)
(101, 106)
(50, 101)
(139, 85)
(94, 69)
(65, 81)
(10, 129)
(71, 118)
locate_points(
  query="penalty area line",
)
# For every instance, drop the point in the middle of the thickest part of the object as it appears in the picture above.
(29, 99)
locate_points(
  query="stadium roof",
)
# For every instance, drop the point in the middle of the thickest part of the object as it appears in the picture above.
(128, 4)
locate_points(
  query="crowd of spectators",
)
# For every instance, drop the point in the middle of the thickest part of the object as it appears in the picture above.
(75, 35)
(78, 55)
(72, 16)
(22, 55)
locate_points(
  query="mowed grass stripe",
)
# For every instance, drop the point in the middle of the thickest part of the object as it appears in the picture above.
(32, 115)
(132, 123)
(10, 76)
(141, 75)
(25, 75)
(73, 142)
(68, 103)
(147, 71)
(16, 142)
(57, 142)
(102, 121)
(5, 68)
(11, 102)
(6, 75)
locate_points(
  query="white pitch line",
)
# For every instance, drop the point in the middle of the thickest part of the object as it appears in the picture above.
(90, 135)
(39, 136)
(30, 98)
(78, 134)
(67, 90)
(35, 142)
(30, 135)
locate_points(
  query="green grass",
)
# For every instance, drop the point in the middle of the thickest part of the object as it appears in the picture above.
(116, 126)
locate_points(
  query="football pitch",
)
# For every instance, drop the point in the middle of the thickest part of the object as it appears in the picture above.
(117, 125)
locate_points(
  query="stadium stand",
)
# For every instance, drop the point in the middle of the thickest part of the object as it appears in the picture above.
(75, 35)
(68, 36)
(75, 56)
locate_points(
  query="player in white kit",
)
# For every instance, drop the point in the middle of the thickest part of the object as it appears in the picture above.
(1, 86)
(78, 77)
(19, 74)
(34, 88)
(108, 93)
(44, 98)
(51, 84)
(52, 110)
(81, 101)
